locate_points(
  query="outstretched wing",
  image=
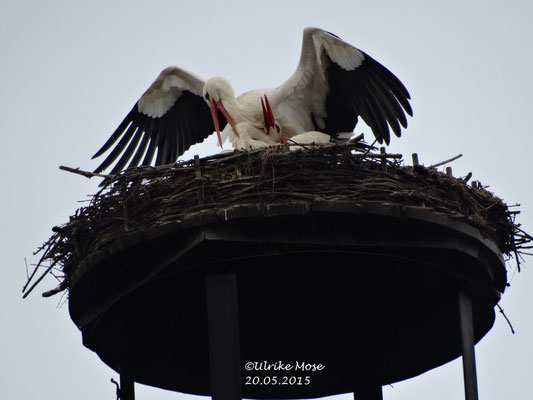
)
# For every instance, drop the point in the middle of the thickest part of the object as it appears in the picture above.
(169, 117)
(335, 83)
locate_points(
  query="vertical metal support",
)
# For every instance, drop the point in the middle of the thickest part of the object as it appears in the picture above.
(224, 341)
(127, 386)
(383, 152)
(415, 159)
(373, 392)
(467, 341)
(198, 177)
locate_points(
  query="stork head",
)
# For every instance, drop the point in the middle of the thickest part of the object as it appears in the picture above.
(218, 89)
(216, 92)
(271, 125)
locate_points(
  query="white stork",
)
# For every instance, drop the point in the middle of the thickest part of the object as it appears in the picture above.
(334, 83)
(269, 133)
(252, 134)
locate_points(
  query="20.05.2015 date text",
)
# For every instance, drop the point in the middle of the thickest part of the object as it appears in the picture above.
(277, 380)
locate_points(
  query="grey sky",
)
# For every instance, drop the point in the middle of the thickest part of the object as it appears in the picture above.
(70, 71)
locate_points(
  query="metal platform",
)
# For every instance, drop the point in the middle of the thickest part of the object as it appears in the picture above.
(375, 293)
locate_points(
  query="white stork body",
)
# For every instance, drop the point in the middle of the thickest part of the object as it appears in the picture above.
(309, 138)
(252, 137)
(332, 86)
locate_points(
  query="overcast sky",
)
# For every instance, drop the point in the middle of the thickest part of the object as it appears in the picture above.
(70, 71)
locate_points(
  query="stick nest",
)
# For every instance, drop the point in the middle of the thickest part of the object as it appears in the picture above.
(144, 197)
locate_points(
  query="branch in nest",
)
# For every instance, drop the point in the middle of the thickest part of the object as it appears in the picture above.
(37, 281)
(446, 161)
(507, 319)
(84, 173)
(62, 286)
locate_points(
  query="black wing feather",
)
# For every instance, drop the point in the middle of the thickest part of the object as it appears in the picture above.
(118, 132)
(153, 131)
(393, 103)
(128, 153)
(370, 91)
(142, 147)
(115, 153)
(386, 102)
(391, 81)
(161, 143)
(186, 123)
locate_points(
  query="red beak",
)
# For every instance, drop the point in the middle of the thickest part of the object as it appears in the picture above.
(214, 114)
(267, 115)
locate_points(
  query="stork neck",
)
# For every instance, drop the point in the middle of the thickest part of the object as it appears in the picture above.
(234, 110)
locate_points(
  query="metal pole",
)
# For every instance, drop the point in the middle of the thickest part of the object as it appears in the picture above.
(224, 341)
(372, 392)
(467, 341)
(127, 386)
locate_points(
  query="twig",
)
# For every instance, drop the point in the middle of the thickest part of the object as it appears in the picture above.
(375, 155)
(507, 319)
(446, 161)
(37, 281)
(357, 138)
(302, 145)
(38, 264)
(516, 255)
(118, 393)
(62, 300)
(370, 148)
(84, 173)
(467, 177)
(62, 286)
